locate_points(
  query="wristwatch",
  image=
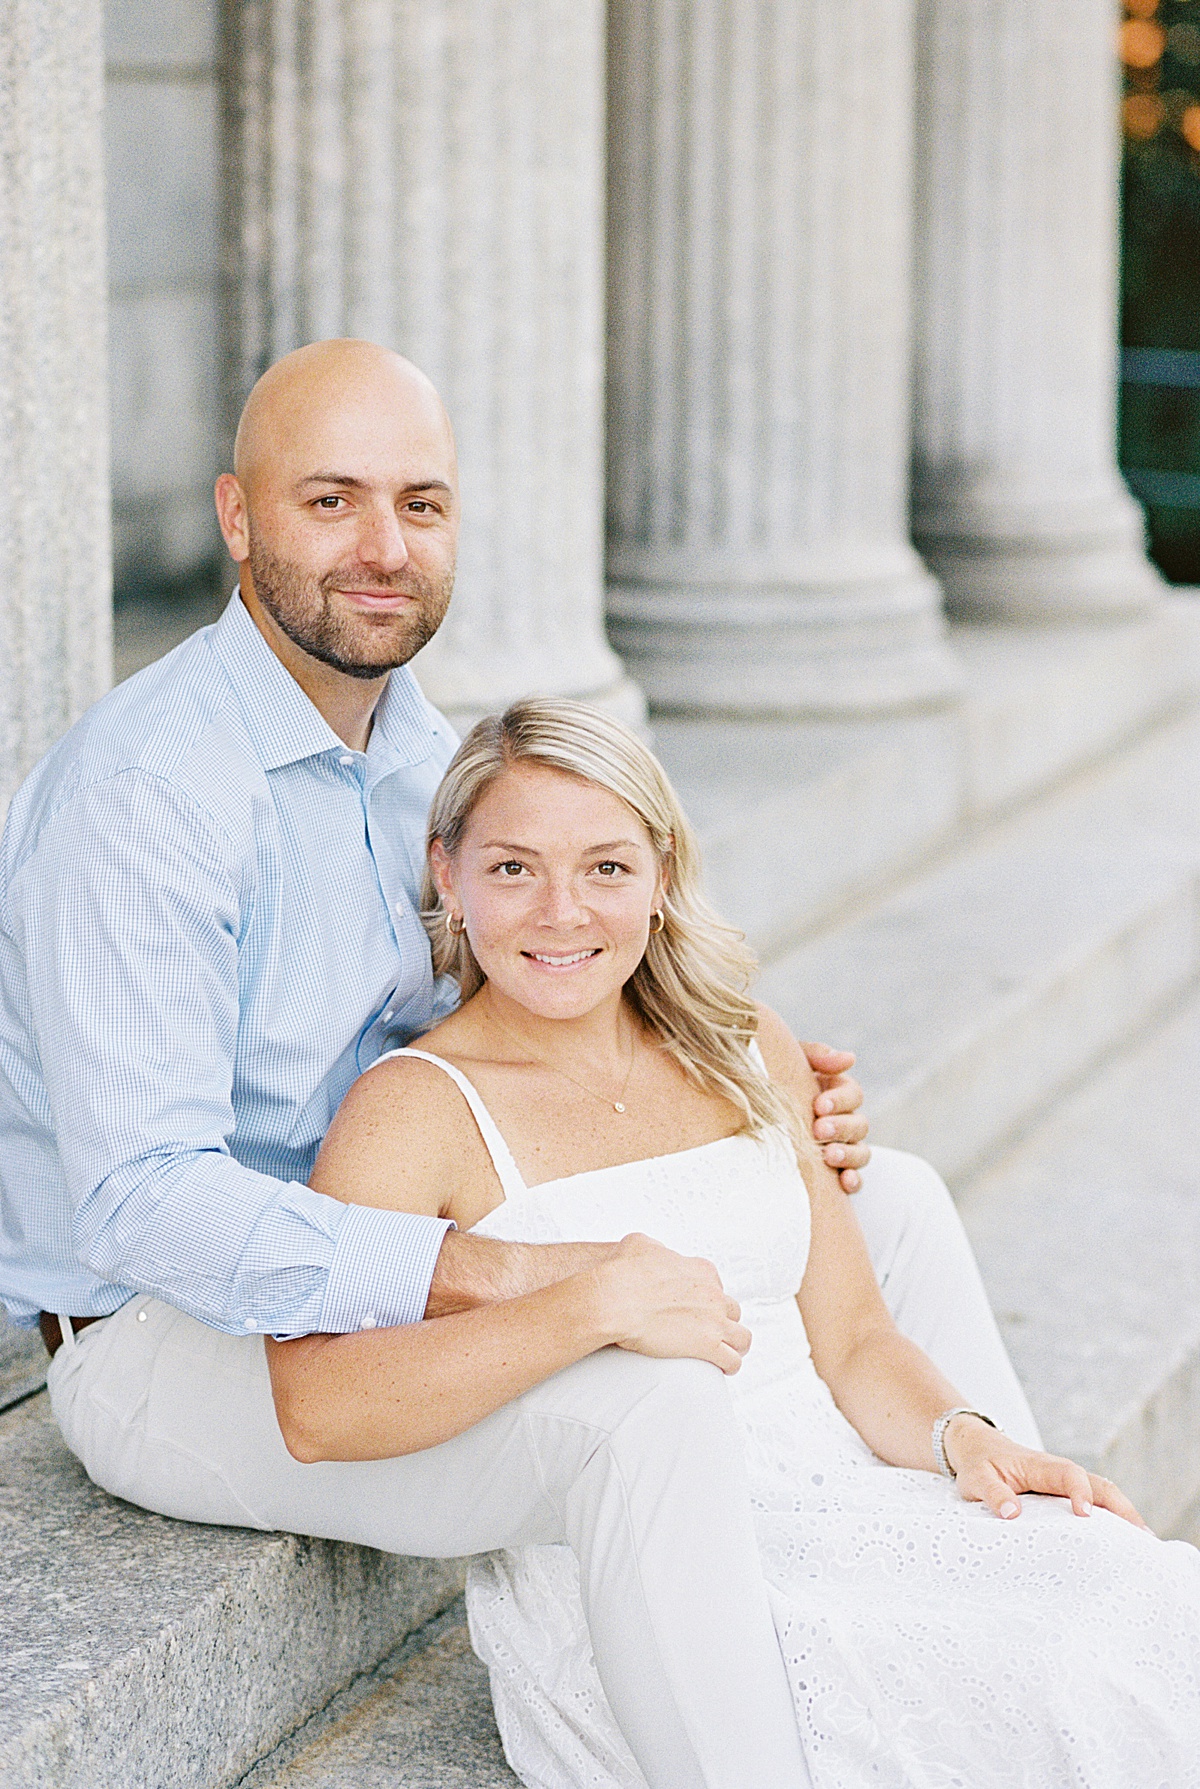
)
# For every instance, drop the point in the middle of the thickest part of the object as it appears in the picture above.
(940, 1426)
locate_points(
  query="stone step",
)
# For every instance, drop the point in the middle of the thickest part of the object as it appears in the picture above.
(977, 991)
(1088, 1234)
(22, 1362)
(798, 817)
(426, 1724)
(140, 1652)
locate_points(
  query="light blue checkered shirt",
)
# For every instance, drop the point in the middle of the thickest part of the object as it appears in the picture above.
(208, 928)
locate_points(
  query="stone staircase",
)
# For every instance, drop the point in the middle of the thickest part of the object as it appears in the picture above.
(997, 907)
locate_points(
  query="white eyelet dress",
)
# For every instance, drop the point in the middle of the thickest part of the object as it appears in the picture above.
(928, 1644)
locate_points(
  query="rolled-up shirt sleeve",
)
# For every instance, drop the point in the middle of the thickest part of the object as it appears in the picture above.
(129, 915)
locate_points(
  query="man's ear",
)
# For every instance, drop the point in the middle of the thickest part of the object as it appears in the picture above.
(234, 516)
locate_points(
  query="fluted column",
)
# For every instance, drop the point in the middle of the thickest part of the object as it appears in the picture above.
(758, 368)
(429, 174)
(55, 580)
(1018, 505)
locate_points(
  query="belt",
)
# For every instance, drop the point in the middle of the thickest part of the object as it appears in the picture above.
(52, 1333)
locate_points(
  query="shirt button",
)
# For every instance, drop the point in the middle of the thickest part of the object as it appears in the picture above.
(248, 1323)
(368, 1321)
(345, 761)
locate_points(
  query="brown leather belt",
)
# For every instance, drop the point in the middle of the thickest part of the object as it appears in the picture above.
(52, 1333)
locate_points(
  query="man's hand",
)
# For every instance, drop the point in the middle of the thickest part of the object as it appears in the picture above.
(837, 1123)
(653, 1301)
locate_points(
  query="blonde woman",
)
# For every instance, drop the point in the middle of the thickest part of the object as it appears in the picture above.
(607, 1078)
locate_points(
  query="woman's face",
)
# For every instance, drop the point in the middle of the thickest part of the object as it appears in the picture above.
(556, 879)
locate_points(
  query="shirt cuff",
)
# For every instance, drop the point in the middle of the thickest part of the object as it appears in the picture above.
(382, 1268)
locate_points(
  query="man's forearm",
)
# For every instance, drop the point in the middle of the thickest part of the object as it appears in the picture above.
(480, 1270)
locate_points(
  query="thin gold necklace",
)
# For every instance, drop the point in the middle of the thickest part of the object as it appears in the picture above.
(618, 1104)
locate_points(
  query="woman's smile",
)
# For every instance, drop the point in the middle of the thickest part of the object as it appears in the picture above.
(559, 961)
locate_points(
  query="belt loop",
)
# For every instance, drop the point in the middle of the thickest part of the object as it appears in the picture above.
(68, 1334)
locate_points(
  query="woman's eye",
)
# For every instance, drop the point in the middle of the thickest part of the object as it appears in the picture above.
(610, 869)
(510, 868)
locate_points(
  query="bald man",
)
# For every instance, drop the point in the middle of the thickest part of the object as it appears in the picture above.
(208, 929)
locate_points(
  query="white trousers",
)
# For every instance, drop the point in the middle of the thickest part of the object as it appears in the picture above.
(636, 1464)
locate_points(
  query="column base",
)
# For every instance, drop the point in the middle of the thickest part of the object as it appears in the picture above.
(1013, 561)
(1010, 581)
(863, 648)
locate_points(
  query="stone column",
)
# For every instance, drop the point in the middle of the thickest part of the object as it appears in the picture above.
(1018, 504)
(55, 579)
(429, 174)
(759, 237)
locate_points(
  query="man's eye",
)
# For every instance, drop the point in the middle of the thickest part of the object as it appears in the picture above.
(419, 505)
(328, 503)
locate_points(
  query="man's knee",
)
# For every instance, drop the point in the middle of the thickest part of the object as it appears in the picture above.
(902, 1196)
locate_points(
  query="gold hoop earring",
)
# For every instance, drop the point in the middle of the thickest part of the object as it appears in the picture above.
(661, 917)
(456, 931)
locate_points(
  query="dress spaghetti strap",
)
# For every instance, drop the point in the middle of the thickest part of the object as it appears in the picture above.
(507, 1172)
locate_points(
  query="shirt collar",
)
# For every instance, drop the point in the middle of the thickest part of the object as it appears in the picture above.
(285, 727)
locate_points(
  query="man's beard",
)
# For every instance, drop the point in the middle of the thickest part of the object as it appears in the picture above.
(353, 641)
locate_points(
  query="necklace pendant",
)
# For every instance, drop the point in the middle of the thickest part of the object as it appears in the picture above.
(618, 1105)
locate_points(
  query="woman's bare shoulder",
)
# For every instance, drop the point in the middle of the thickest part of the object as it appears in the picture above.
(785, 1060)
(403, 1131)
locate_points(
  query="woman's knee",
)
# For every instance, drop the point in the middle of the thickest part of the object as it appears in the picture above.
(619, 1393)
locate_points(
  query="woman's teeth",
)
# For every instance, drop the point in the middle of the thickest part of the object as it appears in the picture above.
(578, 956)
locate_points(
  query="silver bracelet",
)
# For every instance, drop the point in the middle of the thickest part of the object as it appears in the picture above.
(939, 1436)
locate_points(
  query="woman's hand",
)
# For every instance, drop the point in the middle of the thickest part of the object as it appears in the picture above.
(991, 1468)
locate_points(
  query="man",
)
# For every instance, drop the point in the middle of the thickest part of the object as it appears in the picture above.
(208, 928)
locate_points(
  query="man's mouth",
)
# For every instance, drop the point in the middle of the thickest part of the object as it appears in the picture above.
(564, 960)
(378, 599)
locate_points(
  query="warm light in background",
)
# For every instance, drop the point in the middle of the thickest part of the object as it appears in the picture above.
(1189, 125)
(1142, 43)
(1141, 9)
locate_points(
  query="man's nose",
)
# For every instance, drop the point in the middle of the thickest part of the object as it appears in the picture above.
(381, 541)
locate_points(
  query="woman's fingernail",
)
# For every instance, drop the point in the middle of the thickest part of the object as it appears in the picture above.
(1008, 1510)
(824, 1127)
(825, 1104)
(1085, 1509)
(835, 1155)
(851, 1182)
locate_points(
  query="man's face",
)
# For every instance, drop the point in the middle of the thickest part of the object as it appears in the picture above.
(351, 530)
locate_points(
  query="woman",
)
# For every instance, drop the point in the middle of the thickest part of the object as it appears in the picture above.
(606, 1073)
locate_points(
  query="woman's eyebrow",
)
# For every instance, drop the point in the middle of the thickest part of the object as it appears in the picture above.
(531, 851)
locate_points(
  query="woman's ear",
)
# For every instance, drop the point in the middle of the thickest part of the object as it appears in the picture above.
(442, 870)
(664, 872)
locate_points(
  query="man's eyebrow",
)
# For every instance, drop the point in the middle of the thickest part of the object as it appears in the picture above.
(361, 484)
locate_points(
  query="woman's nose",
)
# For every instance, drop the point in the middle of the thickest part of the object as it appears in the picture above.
(561, 904)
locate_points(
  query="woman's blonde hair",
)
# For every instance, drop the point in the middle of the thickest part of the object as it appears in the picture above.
(690, 988)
